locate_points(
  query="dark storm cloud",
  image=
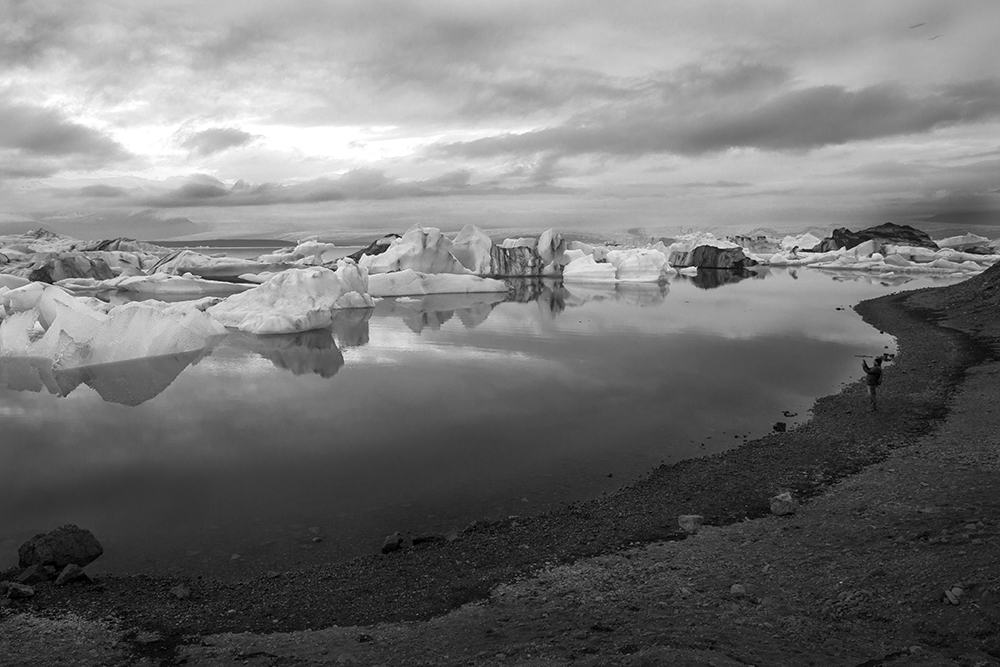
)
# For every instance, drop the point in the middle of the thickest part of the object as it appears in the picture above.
(36, 131)
(359, 184)
(216, 140)
(102, 191)
(792, 120)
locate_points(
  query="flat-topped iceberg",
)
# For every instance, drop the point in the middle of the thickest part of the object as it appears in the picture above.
(158, 283)
(296, 300)
(203, 266)
(415, 283)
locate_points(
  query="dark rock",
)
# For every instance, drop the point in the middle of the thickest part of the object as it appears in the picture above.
(377, 247)
(181, 592)
(392, 543)
(888, 233)
(780, 427)
(73, 573)
(64, 545)
(15, 591)
(53, 268)
(34, 574)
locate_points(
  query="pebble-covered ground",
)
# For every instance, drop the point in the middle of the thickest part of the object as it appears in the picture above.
(899, 506)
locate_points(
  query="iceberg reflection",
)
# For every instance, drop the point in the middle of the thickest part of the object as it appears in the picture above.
(431, 311)
(308, 353)
(130, 382)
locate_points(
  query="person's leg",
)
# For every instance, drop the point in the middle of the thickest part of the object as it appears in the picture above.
(871, 396)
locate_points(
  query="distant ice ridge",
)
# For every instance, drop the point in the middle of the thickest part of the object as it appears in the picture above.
(885, 259)
(296, 300)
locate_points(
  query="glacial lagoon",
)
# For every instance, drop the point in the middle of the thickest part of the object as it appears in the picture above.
(419, 415)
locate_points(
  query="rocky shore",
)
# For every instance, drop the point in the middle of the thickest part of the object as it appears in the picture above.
(891, 559)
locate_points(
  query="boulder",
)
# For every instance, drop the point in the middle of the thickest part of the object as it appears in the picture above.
(396, 542)
(52, 268)
(690, 523)
(72, 573)
(35, 574)
(783, 504)
(15, 591)
(710, 256)
(64, 545)
(885, 234)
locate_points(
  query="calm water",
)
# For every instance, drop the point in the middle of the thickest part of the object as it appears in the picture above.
(420, 415)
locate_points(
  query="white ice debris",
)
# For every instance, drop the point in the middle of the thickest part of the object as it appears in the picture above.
(414, 283)
(296, 300)
(963, 242)
(423, 249)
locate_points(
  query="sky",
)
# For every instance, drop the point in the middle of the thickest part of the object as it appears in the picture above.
(179, 119)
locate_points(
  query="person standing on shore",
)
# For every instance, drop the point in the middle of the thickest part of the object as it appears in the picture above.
(873, 375)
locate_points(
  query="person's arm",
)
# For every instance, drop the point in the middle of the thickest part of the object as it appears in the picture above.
(864, 365)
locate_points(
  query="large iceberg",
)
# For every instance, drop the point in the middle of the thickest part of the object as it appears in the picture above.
(422, 249)
(128, 353)
(296, 300)
(414, 283)
(640, 265)
(587, 269)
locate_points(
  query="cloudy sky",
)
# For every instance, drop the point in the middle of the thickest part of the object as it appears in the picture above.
(157, 119)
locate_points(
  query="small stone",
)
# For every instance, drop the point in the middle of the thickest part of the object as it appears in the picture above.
(451, 535)
(317, 540)
(392, 543)
(235, 557)
(950, 597)
(181, 592)
(738, 590)
(780, 427)
(72, 573)
(957, 591)
(690, 523)
(272, 574)
(784, 504)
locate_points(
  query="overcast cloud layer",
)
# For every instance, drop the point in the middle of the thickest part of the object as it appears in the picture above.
(165, 118)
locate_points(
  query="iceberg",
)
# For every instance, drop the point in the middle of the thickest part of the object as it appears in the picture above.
(587, 269)
(203, 266)
(306, 253)
(422, 249)
(158, 283)
(414, 283)
(640, 265)
(474, 249)
(128, 353)
(296, 300)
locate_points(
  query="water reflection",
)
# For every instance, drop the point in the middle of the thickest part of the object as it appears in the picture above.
(306, 353)
(715, 278)
(130, 383)
(432, 311)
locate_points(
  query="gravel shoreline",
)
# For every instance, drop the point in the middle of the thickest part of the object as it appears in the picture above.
(434, 578)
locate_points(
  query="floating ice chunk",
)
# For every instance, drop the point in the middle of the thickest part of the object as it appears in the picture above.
(689, 271)
(296, 300)
(158, 283)
(523, 242)
(12, 282)
(414, 283)
(587, 269)
(308, 253)
(640, 265)
(803, 242)
(964, 242)
(203, 266)
(422, 249)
